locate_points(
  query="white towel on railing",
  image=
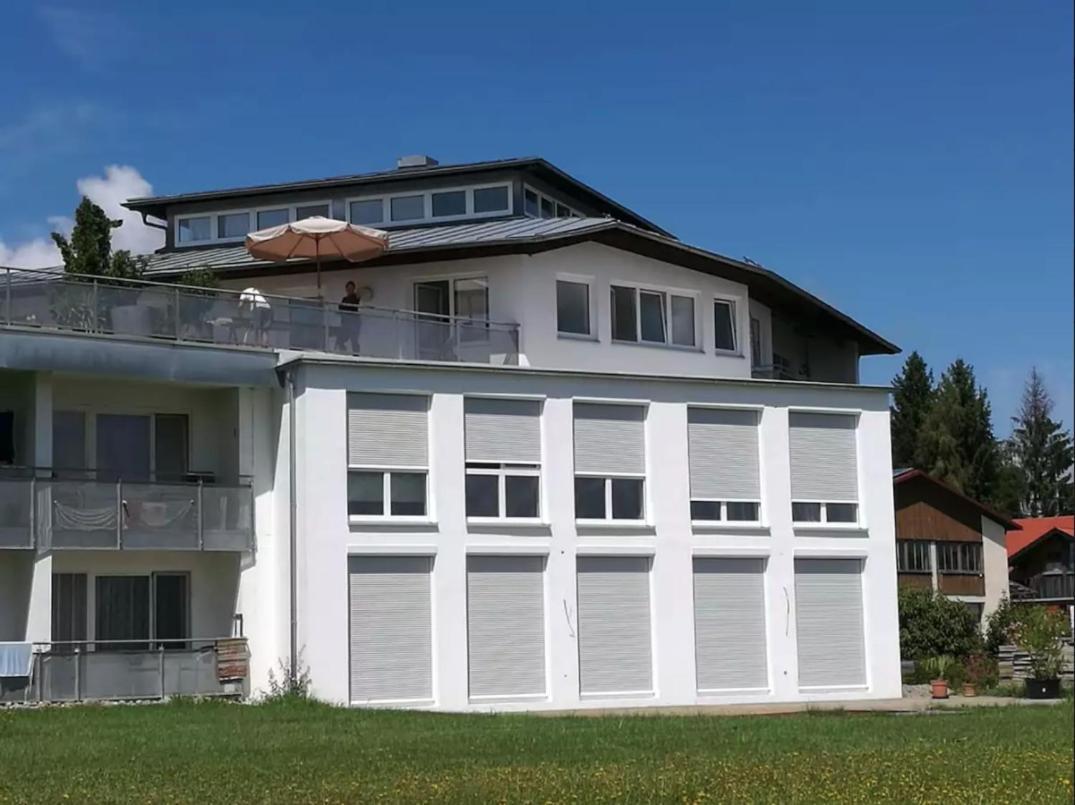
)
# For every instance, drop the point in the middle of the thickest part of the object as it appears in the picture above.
(162, 514)
(72, 518)
(16, 659)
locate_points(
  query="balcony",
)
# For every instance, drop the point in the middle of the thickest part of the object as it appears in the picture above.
(129, 669)
(1051, 586)
(78, 514)
(159, 312)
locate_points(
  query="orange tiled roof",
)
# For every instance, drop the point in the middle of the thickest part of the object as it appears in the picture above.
(1034, 528)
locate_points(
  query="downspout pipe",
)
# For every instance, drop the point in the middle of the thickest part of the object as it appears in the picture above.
(293, 518)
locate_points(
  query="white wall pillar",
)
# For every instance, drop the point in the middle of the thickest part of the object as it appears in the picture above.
(41, 451)
(994, 564)
(39, 614)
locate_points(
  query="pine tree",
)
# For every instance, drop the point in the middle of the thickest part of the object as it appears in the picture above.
(89, 250)
(957, 444)
(912, 396)
(1043, 452)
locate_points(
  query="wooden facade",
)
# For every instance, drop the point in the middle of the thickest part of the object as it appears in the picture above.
(961, 584)
(921, 581)
(928, 511)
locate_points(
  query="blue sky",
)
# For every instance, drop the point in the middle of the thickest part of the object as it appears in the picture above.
(911, 164)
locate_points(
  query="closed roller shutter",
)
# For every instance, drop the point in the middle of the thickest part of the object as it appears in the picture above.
(503, 431)
(387, 430)
(828, 618)
(615, 650)
(729, 624)
(391, 628)
(823, 457)
(609, 439)
(506, 625)
(723, 450)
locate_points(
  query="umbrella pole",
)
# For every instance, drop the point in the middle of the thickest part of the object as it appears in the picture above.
(317, 254)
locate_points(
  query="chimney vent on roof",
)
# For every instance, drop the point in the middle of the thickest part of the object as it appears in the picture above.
(416, 161)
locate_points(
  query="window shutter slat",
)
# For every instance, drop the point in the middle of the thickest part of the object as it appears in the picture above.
(729, 624)
(388, 430)
(503, 431)
(828, 619)
(506, 625)
(823, 457)
(609, 439)
(723, 454)
(615, 654)
(391, 628)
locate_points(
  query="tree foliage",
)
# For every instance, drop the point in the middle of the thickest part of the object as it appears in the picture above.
(89, 249)
(1042, 450)
(912, 396)
(932, 625)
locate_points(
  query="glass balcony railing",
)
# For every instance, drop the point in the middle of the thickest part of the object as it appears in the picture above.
(151, 310)
(50, 513)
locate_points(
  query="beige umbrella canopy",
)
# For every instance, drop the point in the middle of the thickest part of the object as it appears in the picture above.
(317, 237)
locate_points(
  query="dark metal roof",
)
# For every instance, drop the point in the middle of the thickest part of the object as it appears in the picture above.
(534, 235)
(156, 206)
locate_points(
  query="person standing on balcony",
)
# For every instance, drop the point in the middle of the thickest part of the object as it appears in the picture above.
(255, 306)
(350, 320)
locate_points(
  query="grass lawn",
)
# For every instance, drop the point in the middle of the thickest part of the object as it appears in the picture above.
(283, 752)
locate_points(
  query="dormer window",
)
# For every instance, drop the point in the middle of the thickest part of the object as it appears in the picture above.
(233, 225)
(440, 206)
(193, 230)
(491, 199)
(267, 218)
(539, 205)
(312, 210)
(453, 202)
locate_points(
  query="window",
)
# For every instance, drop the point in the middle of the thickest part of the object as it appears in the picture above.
(367, 211)
(453, 202)
(615, 639)
(643, 315)
(408, 208)
(233, 225)
(572, 307)
(388, 456)
(7, 437)
(68, 440)
(913, 556)
(170, 442)
(312, 210)
(123, 605)
(503, 457)
(491, 199)
(472, 303)
(824, 468)
(267, 218)
(724, 466)
(724, 325)
(609, 462)
(964, 558)
(539, 205)
(192, 230)
(829, 622)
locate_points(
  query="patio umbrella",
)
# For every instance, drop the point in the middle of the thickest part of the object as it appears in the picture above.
(317, 237)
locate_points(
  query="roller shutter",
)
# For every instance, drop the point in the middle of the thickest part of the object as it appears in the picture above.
(829, 622)
(729, 624)
(823, 457)
(609, 439)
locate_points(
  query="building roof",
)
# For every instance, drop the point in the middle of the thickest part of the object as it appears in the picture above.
(535, 235)
(1033, 529)
(156, 206)
(903, 476)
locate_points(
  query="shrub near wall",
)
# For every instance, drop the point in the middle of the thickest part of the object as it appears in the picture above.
(932, 626)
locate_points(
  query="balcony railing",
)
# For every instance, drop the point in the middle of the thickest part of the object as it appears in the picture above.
(1053, 585)
(86, 670)
(161, 311)
(75, 513)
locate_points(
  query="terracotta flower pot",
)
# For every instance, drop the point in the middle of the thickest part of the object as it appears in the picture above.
(969, 689)
(938, 688)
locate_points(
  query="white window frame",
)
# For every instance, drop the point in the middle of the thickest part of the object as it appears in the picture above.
(252, 213)
(608, 518)
(904, 549)
(451, 279)
(502, 472)
(724, 512)
(733, 306)
(824, 521)
(556, 203)
(427, 205)
(590, 306)
(666, 293)
(386, 495)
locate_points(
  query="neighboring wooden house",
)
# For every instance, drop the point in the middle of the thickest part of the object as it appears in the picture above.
(1041, 561)
(946, 541)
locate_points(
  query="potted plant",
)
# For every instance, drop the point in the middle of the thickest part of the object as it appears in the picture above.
(938, 668)
(1039, 633)
(980, 672)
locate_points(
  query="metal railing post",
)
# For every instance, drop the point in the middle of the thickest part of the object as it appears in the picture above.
(178, 337)
(33, 511)
(119, 514)
(95, 316)
(78, 673)
(160, 659)
(324, 324)
(7, 298)
(201, 515)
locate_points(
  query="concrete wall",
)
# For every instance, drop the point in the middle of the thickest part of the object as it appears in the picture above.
(994, 563)
(327, 538)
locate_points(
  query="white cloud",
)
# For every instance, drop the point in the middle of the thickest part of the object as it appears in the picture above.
(119, 183)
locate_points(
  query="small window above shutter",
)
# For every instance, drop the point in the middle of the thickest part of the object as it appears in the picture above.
(610, 439)
(387, 430)
(503, 431)
(723, 454)
(824, 463)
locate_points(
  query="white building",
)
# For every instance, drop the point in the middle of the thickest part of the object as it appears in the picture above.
(557, 459)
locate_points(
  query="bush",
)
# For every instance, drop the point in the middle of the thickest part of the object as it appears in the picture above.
(981, 671)
(999, 625)
(1038, 632)
(932, 626)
